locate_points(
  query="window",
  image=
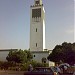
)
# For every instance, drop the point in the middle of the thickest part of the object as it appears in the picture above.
(36, 44)
(34, 55)
(36, 29)
(36, 12)
(37, 2)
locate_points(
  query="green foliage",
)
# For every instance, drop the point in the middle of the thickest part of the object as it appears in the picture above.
(19, 56)
(64, 52)
(34, 64)
(21, 66)
(22, 59)
(4, 65)
(24, 66)
(29, 55)
(38, 64)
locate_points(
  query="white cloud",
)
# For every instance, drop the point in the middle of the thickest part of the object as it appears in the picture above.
(70, 31)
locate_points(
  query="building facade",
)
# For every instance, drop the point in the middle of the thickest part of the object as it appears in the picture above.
(38, 55)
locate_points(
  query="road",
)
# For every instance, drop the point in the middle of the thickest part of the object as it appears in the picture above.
(11, 72)
(18, 73)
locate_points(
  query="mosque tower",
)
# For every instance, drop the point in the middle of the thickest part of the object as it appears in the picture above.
(37, 26)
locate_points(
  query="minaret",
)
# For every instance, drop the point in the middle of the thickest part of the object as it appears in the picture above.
(38, 2)
(37, 26)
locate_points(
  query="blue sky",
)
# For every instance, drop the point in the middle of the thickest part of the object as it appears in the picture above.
(15, 23)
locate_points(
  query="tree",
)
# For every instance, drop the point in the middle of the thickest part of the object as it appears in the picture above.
(19, 56)
(64, 52)
(56, 54)
(29, 55)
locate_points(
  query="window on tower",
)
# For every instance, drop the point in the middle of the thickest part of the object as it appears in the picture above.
(36, 29)
(37, 2)
(36, 44)
(36, 12)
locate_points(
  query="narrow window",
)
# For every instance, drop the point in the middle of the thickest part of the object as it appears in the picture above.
(36, 44)
(37, 2)
(36, 29)
(34, 55)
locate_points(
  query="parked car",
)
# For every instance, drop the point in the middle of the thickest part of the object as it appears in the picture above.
(56, 69)
(70, 71)
(42, 71)
(74, 73)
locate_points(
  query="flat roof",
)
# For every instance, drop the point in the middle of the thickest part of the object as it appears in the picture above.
(39, 51)
(8, 49)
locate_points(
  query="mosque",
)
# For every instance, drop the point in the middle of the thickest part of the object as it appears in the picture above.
(37, 34)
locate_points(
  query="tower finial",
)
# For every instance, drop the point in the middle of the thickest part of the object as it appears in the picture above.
(38, 2)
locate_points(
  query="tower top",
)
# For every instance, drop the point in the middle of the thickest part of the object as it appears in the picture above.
(38, 2)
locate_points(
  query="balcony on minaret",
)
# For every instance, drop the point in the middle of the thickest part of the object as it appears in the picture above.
(38, 2)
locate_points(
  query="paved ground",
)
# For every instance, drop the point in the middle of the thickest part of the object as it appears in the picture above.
(11, 72)
(18, 73)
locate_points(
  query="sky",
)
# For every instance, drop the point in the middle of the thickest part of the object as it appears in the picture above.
(15, 23)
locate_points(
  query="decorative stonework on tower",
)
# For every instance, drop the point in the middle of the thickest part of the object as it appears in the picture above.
(38, 2)
(37, 26)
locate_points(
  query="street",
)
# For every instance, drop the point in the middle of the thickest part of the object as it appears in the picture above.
(11, 72)
(18, 73)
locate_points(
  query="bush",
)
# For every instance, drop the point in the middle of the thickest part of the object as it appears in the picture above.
(38, 64)
(24, 67)
(21, 66)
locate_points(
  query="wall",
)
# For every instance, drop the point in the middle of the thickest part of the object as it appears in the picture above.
(39, 55)
(4, 53)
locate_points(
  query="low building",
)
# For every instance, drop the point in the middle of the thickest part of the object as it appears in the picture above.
(38, 55)
(4, 53)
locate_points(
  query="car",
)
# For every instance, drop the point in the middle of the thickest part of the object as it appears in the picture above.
(74, 73)
(70, 71)
(56, 69)
(42, 71)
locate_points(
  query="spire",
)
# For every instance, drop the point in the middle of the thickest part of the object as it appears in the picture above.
(38, 2)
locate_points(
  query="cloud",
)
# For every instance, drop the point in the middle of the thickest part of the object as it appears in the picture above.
(70, 31)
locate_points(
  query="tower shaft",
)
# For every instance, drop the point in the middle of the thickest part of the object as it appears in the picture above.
(37, 26)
